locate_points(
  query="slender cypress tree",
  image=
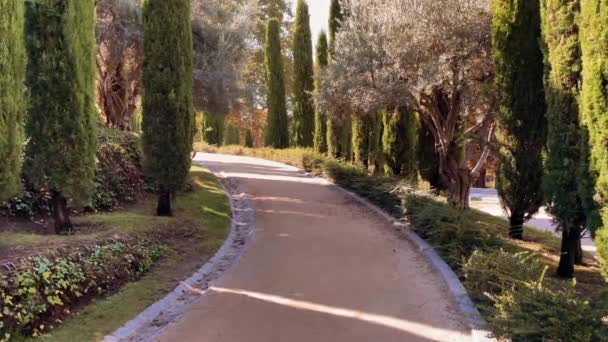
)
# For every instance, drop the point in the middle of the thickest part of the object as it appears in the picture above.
(231, 137)
(376, 151)
(12, 95)
(521, 115)
(335, 18)
(249, 138)
(594, 107)
(399, 143)
(564, 131)
(338, 133)
(303, 83)
(213, 129)
(167, 105)
(428, 159)
(320, 139)
(277, 133)
(362, 127)
(62, 120)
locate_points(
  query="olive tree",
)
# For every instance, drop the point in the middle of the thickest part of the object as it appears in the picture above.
(431, 56)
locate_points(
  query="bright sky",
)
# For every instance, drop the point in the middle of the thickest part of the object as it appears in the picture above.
(319, 16)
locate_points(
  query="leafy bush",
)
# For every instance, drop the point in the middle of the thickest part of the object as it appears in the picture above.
(119, 178)
(534, 312)
(44, 289)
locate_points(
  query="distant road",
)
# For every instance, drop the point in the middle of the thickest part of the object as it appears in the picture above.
(487, 201)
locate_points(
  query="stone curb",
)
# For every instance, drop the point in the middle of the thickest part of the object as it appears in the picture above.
(152, 321)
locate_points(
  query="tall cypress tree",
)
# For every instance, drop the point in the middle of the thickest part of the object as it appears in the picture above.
(62, 120)
(249, 138)
(12, 95)
(400, 141)
(594, 107)
(212, 128)
(521, 115)
(303, 84)
(335, 18)
(167, 105)
(338, 132)
(565, 140)
(277, 133)
(320, 139)
(362, 127)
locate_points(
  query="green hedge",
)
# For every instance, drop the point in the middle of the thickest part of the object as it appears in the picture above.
(43, 290)
(507, 283)
(119, 178)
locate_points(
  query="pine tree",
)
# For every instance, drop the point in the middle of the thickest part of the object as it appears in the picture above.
(168, 109)
(303, 84)
(249, 138)
(320, 139)
(594, 107)
(564, 131)
(399, 143)
(12, 95)
(62, 120)
(277, 133)
(521, 116)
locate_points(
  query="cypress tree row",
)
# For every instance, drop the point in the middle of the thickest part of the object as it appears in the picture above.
(12, 96)
(277, 133)
(167, 104)
(564, 133)
(521, 116)
(248, 138)
(594, 107)
(399, 143)
(320, 138)
(61, 125)
(303, 84)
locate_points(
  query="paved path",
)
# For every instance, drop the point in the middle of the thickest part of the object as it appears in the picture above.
(487, 201)
(321, 268)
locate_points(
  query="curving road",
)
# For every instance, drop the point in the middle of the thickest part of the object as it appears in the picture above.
(321, 267)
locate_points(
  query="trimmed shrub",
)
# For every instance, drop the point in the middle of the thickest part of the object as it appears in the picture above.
(44, 289)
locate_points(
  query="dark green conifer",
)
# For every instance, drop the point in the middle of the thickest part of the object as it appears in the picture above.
(213, 129)
(12, 95)
(303, 84)
(232, 136)
(277, 132)
(362, 127)
(320, 139)
(565, 141)
(62, 120)
(248, 138)
(335, 18)
(399, 143)
(521, 115)
(168, 111)
(594, 107)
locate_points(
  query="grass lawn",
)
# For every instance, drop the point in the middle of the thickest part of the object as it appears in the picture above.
(200, 224)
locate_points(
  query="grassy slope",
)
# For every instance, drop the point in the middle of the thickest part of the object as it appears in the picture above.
(198, 228)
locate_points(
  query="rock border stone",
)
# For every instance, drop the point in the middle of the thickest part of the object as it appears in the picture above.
(152, 321)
